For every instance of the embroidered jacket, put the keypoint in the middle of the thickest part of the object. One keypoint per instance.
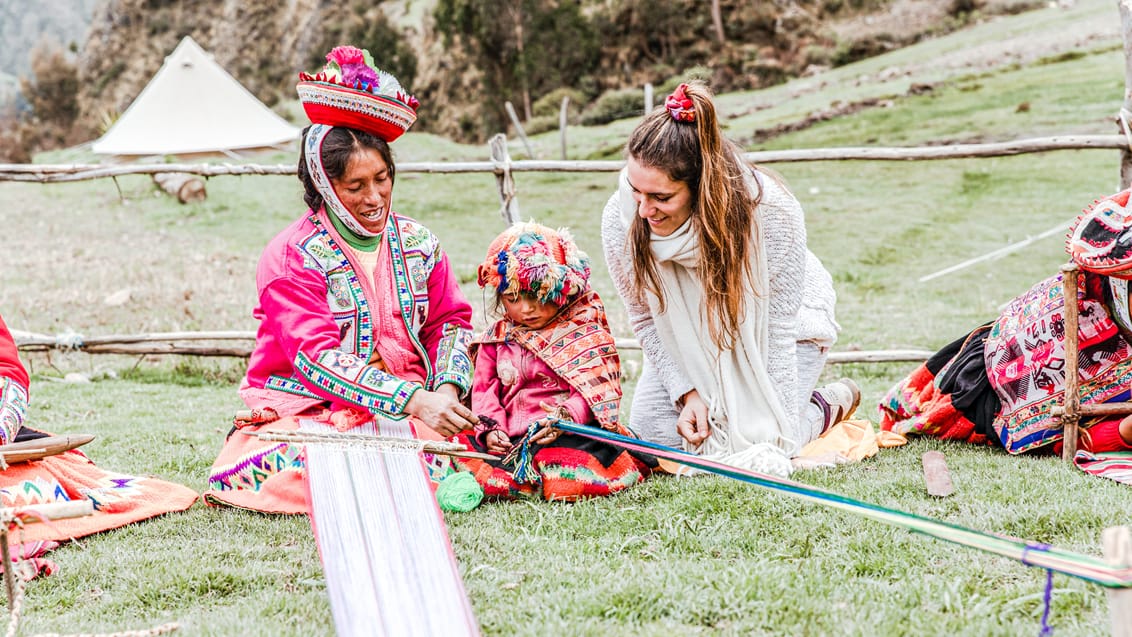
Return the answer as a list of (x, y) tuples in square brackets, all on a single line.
[(13, 387), (316, 325)]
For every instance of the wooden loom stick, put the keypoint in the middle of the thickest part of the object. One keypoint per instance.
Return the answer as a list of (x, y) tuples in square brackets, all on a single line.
[(414, 445), (390, 568), (38, 448), (1071, 402)]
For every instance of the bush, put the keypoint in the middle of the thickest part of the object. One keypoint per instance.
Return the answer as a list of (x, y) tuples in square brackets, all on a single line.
[(702, 73), (16, 141), (614, 105), (548, 105), (540, 124), (866, 47)]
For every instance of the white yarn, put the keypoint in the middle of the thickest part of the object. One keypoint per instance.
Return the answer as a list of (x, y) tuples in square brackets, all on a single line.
[(388, 561)]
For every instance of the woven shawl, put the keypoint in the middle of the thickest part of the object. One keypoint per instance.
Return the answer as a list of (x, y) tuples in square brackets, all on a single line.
[(580, 349), (1025, 360)]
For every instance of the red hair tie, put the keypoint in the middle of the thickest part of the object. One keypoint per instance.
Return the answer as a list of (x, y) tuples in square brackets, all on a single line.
[(680, 106)]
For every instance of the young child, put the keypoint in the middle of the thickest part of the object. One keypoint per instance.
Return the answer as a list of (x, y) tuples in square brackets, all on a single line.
[(551, 356)]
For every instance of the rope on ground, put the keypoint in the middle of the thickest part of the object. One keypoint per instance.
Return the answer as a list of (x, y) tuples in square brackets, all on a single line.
[(25, 571)]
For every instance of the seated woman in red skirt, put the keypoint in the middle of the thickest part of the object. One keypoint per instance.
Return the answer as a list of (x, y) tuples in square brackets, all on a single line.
[(359, 308), (999, 383), (118, 499)]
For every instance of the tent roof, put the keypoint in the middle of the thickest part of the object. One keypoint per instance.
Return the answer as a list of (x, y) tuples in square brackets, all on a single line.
[(193, 106)]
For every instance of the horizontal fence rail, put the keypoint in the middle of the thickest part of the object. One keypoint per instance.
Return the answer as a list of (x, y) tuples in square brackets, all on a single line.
[(53, 173), (174, 343)]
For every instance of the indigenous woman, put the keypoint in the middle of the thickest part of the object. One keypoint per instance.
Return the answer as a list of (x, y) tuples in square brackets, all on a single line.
[(118, 499), (360, 313), (734, 313), (998, 384)]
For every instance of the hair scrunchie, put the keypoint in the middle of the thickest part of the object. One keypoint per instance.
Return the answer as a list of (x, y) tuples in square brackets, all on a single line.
[(680, 106)]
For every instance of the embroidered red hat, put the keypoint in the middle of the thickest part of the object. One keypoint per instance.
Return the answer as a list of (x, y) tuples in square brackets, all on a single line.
[(351, 91), (1101, 238)]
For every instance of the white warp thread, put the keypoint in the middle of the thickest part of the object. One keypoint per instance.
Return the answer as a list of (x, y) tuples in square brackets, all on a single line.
[(389, 565)]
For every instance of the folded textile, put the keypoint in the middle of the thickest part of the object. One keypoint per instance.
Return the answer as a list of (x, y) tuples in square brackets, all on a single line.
[(848, 441)]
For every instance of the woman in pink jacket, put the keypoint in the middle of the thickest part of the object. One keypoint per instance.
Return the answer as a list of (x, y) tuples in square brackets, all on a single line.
[(360, 313)]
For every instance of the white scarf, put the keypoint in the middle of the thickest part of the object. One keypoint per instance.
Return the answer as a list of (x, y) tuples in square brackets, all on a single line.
[(743, 407), (330, 200)]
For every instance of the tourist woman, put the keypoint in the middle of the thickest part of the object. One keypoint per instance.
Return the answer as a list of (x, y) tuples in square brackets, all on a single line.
[(734, 313)]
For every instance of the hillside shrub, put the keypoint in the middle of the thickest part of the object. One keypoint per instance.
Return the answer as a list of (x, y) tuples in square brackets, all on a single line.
[(849, 52), (614, 105), (701, 73), (541, 124), (550, 104), (16, 141)]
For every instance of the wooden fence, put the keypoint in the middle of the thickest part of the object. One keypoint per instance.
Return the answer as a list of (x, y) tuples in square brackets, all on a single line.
[(504, 168)]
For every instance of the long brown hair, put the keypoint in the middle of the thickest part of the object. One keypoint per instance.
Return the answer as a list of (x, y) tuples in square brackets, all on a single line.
[(723, 210)]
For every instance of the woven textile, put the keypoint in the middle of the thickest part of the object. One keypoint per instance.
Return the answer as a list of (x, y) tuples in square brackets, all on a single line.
[(1112, 465), (270, 476), (119, 499), (948, 396), (570, 468), (1025, 360), (390, 568)]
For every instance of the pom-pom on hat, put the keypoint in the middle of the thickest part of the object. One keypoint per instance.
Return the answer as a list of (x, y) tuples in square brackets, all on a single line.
[(1101, 239), (534, 259), (351, 91)]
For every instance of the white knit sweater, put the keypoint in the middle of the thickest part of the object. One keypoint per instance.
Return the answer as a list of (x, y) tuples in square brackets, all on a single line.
[(800, 306)]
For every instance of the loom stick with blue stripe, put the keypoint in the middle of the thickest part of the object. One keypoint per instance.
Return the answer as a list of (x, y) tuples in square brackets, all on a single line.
[(1077, 565)]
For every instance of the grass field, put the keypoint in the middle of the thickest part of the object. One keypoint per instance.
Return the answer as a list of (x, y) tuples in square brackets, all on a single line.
[(704, 556)]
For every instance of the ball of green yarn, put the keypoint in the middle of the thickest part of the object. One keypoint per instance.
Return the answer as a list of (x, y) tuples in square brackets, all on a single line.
[(459, 492)]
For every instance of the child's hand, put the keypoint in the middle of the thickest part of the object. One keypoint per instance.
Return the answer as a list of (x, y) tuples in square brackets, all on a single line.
[(497, 442)]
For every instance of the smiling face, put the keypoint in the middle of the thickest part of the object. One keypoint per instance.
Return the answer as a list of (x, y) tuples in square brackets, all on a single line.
[(526, 310), (366, 188), (663, 203)]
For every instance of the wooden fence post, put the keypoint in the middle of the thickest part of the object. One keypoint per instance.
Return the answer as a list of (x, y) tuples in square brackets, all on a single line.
[(519, 127), (509, 209), (562, 121), (1126, 108), (648, 98), (1071, 403), (1117, 542)]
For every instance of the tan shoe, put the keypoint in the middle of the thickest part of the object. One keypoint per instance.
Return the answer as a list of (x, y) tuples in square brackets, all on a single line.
[(838, 400)]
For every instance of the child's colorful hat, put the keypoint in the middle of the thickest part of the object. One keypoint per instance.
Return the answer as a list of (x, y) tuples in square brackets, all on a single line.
[(351, 91), (1101, 238), (534, 259)]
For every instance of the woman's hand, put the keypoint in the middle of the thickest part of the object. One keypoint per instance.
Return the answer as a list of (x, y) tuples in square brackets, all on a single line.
[(692, 425), (497, 442), (441, 410)]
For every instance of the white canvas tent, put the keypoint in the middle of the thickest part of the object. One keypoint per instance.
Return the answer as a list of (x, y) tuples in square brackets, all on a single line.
[(193, 106)]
